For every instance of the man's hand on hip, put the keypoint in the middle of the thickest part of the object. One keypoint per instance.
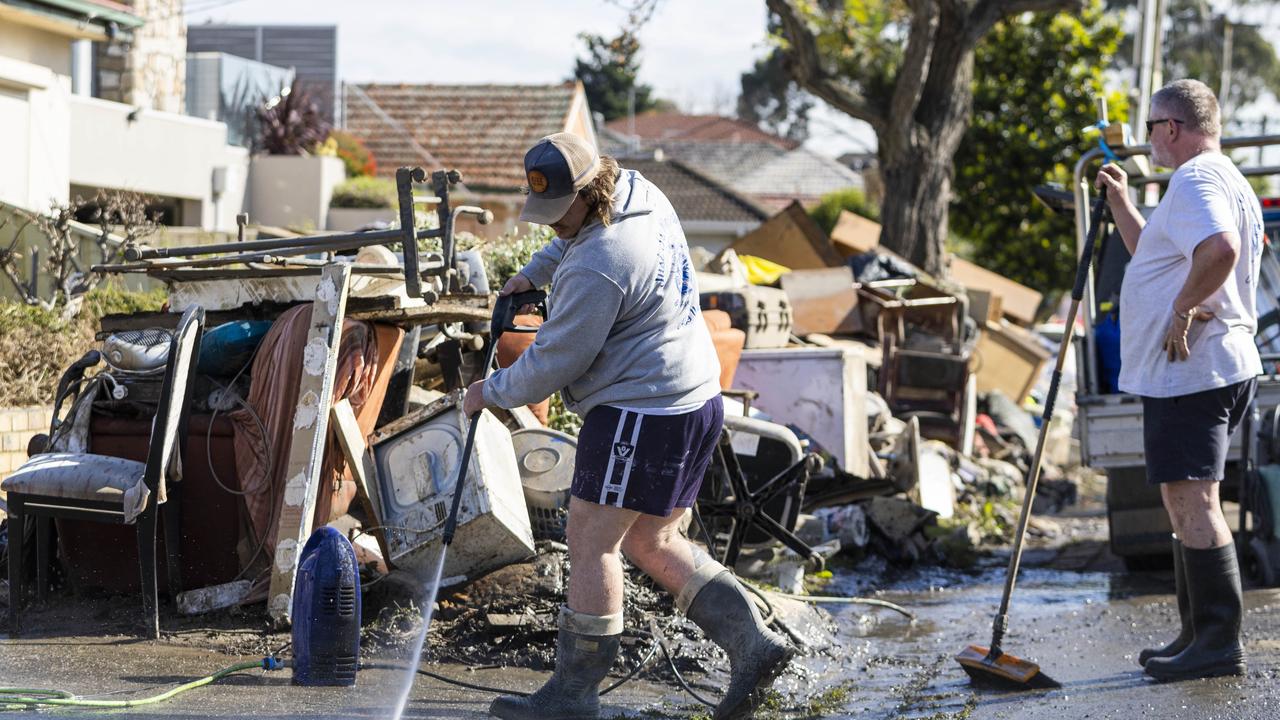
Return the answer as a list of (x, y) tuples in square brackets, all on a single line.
[(1175, 340)]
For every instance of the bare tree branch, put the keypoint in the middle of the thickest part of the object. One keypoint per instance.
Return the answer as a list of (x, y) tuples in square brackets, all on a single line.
[(989, 12), (806, 66)]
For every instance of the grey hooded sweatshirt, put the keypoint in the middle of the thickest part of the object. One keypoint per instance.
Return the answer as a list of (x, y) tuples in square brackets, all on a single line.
[(623, 327)]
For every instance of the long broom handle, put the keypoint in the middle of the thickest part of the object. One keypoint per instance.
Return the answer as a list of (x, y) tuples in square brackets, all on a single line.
[(1001, 623)]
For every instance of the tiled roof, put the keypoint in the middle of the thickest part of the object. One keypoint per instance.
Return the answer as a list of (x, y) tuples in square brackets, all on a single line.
[(701, 128), (695, 196), (799, 173), (763, 171), (482, 131)]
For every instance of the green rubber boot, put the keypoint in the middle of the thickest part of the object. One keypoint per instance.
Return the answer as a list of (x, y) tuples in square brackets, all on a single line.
[(1184, 612), (585, 651), (1217, 605)]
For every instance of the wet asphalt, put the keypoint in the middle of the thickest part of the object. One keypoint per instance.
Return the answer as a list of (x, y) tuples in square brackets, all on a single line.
[(1084, 627)]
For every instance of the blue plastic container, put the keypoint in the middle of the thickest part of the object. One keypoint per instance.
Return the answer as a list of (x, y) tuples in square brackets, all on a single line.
[(224, 350), (1106, 334), (326, 612)]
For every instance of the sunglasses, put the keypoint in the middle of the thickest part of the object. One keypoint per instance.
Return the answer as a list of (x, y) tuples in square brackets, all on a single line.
[(1151, 124)]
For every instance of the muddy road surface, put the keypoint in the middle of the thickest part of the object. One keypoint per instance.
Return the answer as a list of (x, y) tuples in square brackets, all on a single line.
[(1076, 613)]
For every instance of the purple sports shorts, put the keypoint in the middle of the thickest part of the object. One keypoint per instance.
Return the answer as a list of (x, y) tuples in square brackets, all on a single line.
[(647, 463)]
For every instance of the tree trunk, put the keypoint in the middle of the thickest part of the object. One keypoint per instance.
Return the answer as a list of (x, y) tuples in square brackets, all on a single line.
[(917, 165)]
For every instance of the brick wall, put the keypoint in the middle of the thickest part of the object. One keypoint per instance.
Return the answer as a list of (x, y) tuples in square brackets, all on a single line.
[(17, 425)]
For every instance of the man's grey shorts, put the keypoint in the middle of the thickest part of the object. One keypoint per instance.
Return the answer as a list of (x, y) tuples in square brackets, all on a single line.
[(1185, 437)]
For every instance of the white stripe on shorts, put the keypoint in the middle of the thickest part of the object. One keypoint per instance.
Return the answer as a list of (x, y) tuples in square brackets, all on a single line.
[(607, 482), (626, 468)]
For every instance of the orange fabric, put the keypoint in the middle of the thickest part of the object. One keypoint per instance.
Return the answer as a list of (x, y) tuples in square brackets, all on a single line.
[(366, 359), (728, 342)]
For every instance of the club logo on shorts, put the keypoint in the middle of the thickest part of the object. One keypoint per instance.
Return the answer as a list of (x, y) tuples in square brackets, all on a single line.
[(623, 451), (537, 181)]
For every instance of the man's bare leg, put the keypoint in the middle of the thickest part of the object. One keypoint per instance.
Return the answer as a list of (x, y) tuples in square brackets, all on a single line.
[(1196, 513), (595, 535)]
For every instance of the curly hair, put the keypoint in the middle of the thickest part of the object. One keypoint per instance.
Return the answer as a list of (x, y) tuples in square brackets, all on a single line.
[(599, 194)]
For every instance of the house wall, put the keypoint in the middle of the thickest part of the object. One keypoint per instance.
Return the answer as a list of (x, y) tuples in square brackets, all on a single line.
[(33, 127), (149, 69), (35, 46), (108, 150), (293, 191)]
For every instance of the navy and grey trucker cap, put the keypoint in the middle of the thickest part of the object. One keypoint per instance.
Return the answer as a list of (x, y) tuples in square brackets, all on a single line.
[(556, 168)]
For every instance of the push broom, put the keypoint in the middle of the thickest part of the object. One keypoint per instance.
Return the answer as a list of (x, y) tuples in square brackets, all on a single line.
[(992, 665)]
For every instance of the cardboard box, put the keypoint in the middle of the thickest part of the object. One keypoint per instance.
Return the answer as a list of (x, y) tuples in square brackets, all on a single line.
[(1008, 359), (1018, 301), (823, 301)]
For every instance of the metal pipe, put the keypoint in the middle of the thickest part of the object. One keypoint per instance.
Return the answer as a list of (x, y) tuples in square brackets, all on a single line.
[(308, 243)]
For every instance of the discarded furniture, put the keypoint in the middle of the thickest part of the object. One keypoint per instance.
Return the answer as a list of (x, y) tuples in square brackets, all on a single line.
[(820, 389), (734, 511), (1008, 359), (790, 238), (96, 555), (105, 489), (823, 301), (763, 313), (924, 370)]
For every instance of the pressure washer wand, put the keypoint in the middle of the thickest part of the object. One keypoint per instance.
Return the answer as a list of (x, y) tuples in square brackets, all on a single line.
[(503, 320)]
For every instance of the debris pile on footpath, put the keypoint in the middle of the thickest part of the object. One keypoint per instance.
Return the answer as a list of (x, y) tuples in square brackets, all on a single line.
[(872, 411)]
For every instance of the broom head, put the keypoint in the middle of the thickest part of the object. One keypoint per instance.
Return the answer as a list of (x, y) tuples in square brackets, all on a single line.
[(1003, 670)]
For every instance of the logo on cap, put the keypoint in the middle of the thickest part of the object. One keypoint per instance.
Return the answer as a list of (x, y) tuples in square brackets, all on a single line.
[(537, 181)]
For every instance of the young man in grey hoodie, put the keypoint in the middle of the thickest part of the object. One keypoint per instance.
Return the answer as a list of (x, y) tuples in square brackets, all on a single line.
[(626, 346)]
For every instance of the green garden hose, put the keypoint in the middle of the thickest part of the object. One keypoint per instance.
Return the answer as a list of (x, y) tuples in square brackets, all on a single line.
[(23, 698)]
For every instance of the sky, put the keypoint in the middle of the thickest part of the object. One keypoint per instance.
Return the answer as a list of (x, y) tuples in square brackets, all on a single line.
[(692, 51)]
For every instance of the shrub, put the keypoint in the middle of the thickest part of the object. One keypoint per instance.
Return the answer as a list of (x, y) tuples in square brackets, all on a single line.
[(37, 344), (827, 211), (355, 156), (364, 192), (291, 124), (504, 257)]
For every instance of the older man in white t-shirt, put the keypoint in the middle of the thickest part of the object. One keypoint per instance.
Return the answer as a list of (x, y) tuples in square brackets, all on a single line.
[(1187, 321)]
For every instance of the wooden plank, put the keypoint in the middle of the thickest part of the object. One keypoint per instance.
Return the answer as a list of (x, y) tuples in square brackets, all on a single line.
[(1008, 359), (362, 467), (118, 322), (310, 431), (854, 234), (1018, 301)]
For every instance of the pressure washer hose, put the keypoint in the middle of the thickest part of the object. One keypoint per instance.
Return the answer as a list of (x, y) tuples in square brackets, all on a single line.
[(24, 698)]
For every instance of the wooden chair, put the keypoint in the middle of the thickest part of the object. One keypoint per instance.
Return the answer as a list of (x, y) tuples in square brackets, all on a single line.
[(110, 489)]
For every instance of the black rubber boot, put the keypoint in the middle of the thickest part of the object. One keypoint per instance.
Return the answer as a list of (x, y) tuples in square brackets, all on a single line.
[(1217, 604), (757, 655), (1184, 612), (573, 692)]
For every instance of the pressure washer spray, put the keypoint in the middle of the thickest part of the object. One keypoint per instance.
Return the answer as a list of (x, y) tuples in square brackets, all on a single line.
[(503, 321)]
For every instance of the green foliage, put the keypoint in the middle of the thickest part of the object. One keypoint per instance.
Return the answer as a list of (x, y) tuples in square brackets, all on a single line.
[(608, 74), (505, 256), (1036, 82), (364, 192), (827, 212), (37, 343), (562, 419), (355, 156)]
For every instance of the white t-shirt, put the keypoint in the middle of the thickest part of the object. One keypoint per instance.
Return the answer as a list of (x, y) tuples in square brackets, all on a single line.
[(1207, 195)]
